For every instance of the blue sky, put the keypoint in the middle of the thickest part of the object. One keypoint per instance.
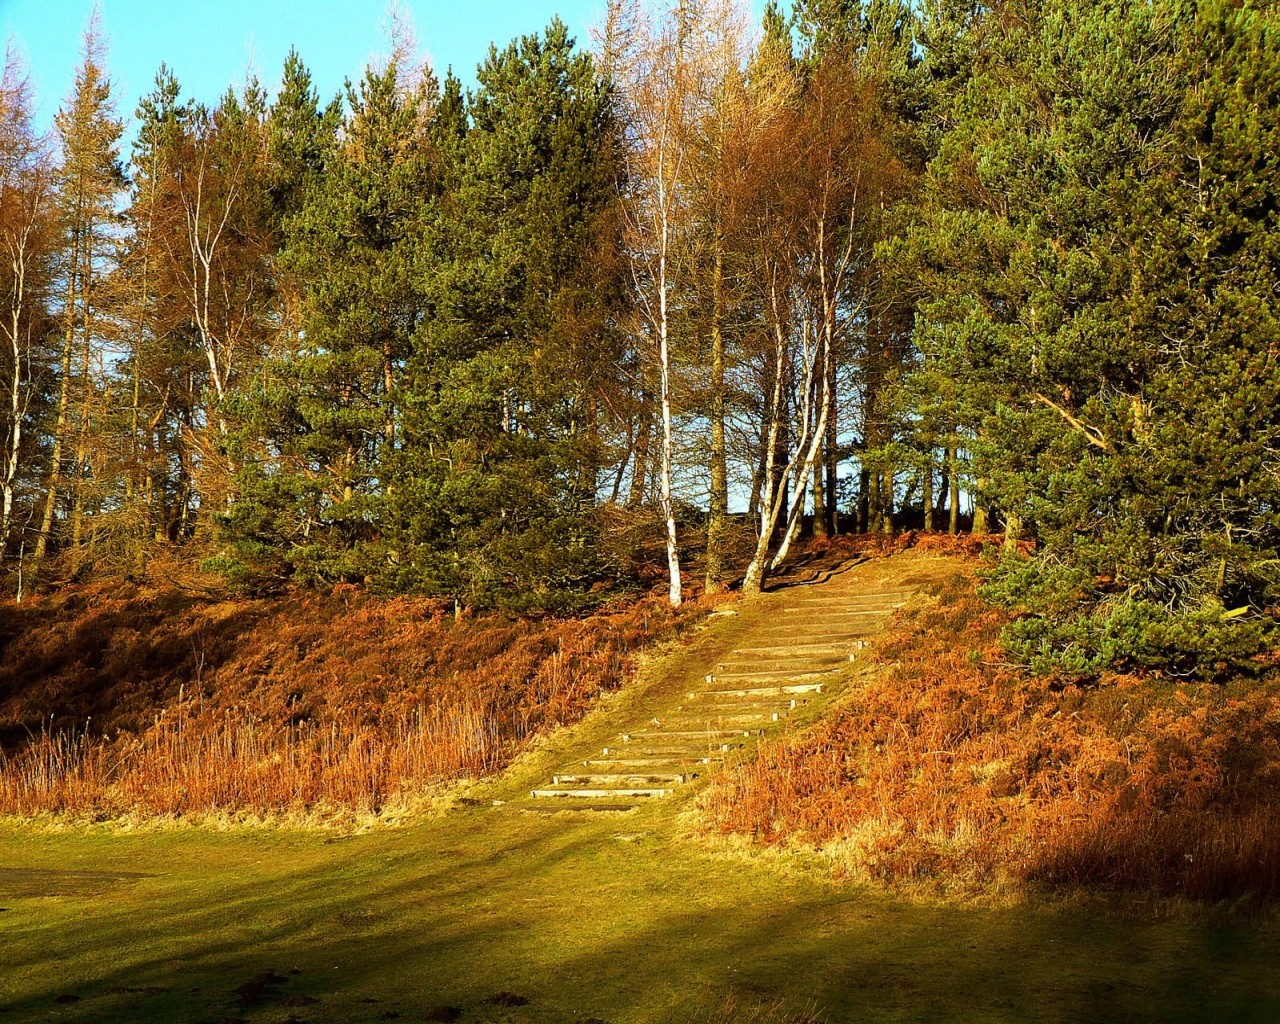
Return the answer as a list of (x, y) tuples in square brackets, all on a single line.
[(212, 45)]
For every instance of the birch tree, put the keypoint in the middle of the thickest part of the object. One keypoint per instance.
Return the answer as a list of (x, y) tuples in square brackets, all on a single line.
[(221, 253), (25, 234), (648, 56), (820, 200)]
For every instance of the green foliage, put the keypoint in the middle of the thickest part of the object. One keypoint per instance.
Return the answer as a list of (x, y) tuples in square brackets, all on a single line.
[(431, 426), (1099, 232), (495, 487)]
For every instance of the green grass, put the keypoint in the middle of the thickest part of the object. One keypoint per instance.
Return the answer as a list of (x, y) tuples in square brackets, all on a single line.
[(614, 917), (620, 918)]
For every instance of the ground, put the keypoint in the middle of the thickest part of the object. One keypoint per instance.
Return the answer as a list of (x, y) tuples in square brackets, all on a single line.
[(492, 911)]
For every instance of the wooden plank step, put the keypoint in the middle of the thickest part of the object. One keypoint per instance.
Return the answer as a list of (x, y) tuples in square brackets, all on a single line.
[(600, 794), (851, 597), (627, 779), (819, 616), (689, 752), (783, 633), (651, 762), (695, 718), (761, 691), (781, 663), (764, 705), (712, 735), (791, 650), (759, 722), (811, 675)]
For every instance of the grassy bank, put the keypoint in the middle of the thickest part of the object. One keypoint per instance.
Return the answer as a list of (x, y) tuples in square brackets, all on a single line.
[(119, 703)]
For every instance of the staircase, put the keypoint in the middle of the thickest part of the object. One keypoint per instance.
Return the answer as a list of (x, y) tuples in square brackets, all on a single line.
[(781, 672)]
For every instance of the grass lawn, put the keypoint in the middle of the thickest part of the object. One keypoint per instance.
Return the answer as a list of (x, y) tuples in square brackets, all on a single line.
[(615, 917)]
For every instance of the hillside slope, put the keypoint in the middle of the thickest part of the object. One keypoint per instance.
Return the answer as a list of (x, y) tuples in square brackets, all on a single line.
[(951, 767), (114, 701), (493, 913)]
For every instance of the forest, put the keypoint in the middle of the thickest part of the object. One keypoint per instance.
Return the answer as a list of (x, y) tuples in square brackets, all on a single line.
[(661, 301)]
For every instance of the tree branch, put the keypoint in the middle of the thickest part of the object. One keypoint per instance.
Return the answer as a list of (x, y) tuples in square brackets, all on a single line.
[(1091, 434)]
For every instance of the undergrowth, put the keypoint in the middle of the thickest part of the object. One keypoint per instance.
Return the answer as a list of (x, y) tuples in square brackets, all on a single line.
[(948, 766), (319, 704)]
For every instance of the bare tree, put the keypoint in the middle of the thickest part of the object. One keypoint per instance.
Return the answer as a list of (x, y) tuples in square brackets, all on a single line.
[(648, 58), (819, 201), (88, 178), (220, 254), (25, 234)]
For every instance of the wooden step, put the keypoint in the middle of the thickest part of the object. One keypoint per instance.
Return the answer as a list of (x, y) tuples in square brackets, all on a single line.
[(819, 618), (764, 706), (600, 794), (812, 675), (711, 735), (652, 762), (782, 634), (762, 691), (633, 779), (695, 752), (896, 598), (781, 663), (690, 751), (758, 722), (791, 650), (695, 717)]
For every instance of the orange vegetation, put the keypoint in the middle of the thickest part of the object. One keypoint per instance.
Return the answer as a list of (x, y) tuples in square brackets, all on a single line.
[(116, 702), (946, 764)]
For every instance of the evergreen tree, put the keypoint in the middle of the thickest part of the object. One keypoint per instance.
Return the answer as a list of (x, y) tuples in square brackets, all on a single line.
[(1103, 218), (159, 361), (328, 403), (496, 485)]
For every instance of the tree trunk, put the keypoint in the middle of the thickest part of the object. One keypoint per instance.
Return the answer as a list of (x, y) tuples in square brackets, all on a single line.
[(1012, 531), (864, 500), (926, 499), (86, 406), (831, 453), (718, 510), (640, 463), (17, 402), (886, 502), (668, 443), (774, 472), (820, 496), (64, 404), (953, 462)]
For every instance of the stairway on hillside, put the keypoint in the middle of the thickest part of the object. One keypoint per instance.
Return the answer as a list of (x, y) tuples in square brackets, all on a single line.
[(781, 671)]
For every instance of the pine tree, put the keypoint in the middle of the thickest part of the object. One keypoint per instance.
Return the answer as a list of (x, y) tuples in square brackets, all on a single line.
[(157, 365), (328, 403), (496, 485), (1104, 222)]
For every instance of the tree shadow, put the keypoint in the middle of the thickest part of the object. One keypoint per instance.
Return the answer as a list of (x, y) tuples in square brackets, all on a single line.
[(584, 924)]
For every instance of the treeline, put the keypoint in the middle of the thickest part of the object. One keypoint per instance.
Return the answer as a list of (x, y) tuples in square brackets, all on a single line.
[(866, 266)]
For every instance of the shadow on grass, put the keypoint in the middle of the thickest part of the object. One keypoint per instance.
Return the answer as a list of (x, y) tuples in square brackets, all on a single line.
[(507, 917)]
